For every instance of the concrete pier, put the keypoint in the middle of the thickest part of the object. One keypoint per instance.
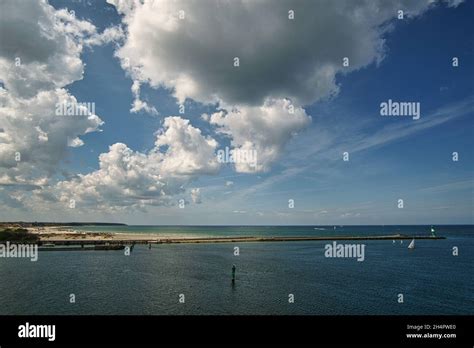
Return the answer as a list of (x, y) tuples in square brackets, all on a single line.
[(158, 240)]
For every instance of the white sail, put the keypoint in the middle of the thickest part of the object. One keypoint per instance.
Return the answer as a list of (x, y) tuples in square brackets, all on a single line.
[(412, 244)]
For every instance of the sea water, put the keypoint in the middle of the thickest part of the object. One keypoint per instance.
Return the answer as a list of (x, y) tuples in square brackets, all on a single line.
[(149, 281)]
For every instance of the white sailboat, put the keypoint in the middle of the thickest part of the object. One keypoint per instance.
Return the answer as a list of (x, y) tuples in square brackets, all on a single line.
[(412, 244)]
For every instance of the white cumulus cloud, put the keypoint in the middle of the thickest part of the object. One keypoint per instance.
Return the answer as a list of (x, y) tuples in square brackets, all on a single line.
[(40, 55), (190, 47), (128, 178), (264, 129)]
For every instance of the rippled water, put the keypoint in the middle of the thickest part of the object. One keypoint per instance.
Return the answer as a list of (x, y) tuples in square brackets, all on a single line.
[(432, 280)]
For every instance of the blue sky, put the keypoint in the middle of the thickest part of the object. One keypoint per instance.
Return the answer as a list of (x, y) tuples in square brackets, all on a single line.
[(391, 158)]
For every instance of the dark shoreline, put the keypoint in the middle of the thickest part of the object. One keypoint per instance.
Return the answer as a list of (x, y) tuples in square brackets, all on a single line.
[(56, 224)]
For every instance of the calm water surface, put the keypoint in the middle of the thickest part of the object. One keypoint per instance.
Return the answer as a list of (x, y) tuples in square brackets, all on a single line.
[(432, 280)]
